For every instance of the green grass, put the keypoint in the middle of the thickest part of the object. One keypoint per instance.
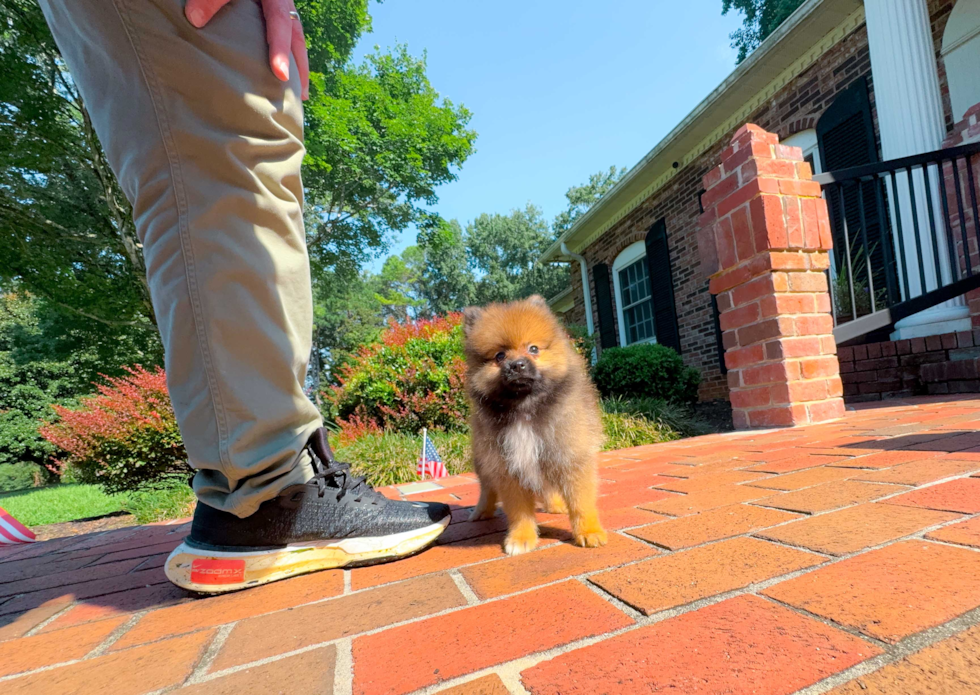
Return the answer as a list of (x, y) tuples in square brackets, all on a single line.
[(58, 503)]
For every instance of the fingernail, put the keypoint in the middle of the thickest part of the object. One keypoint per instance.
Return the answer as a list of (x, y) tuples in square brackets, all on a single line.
[(197, 17), (282, 65)]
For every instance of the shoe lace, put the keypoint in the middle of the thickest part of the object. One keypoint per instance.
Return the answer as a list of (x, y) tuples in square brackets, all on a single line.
[(336, 476)]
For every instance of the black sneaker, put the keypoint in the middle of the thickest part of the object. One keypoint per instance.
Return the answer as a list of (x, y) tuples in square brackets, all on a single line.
[(334, 520)]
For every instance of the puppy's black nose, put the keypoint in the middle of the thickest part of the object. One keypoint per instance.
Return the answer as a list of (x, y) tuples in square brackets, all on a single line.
[(518, 366)]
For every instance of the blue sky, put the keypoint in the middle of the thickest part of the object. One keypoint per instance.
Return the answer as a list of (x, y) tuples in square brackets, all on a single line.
[(558, 90)]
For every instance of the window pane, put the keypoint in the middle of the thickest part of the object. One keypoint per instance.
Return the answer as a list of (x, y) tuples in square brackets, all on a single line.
[(634, 283), (639, 322)]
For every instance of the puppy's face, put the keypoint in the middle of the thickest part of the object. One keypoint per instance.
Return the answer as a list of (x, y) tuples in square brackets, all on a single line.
[(514, 351)]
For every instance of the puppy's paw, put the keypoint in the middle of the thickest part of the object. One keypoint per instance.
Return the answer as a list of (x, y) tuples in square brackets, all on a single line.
[(518, 542), (591, 537), (480, 514)]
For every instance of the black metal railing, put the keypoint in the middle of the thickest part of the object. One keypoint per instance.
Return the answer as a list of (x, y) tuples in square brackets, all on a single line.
[(906, 236)]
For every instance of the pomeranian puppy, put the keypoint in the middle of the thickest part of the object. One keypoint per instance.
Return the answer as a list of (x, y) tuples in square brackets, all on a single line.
[(535, 421)]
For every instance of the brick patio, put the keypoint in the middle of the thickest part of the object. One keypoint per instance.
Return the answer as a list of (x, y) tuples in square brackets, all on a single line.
[(841, 557)]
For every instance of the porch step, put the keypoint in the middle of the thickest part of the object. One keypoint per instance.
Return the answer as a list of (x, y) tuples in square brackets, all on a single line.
[(953, 376)]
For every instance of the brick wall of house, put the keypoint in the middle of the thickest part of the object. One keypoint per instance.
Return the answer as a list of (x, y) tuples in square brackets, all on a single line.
[(796, 107)]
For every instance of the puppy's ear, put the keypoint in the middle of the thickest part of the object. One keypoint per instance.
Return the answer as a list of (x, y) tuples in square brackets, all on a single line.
[(538, 300), (471, 315)]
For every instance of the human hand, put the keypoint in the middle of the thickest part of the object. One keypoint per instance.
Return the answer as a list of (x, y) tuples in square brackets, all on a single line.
[(283, 31)]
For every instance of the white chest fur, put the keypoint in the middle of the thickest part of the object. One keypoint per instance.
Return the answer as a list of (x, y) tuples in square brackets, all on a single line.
[(522, 450)]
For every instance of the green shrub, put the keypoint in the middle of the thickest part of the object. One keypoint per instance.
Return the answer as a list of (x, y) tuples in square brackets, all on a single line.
[(411, 378), (646, 371), (123, 438), (20, 476), (675, 416)]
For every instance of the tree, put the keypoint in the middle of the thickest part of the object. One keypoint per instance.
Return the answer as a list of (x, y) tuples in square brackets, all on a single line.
[(66, 230), (762, 17), (504, 251), (447, 282), (380, 141), (581, 198)]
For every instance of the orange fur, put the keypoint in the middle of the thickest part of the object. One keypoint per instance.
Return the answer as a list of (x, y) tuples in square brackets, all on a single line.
[(536, 441)]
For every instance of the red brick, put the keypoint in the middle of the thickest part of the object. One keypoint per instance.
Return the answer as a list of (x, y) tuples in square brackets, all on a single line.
[(750, 291), (794, 219), (816, 367), (892, 592), (744, 357), (29, 653), (848, 530), (744, 246), (703, 500), (689, 575), (920, 472), (742, 645), (768, 223), (712, 525), (780, 416), (793, 347), (964, 533), (742, 316), (772, 373), (141, 670), (488, 685), (885, 459), (65, 579), (285, 631), (310, 673), (24, 623), (227, 608), (396, 661), (821, 498), (961, 495), (699, 482), (513, 574), (797, 462), (804, 478), (949, 667)]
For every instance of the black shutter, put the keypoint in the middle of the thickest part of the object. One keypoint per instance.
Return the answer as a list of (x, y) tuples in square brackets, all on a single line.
[(662, 287), (603, 299), (846, 136)]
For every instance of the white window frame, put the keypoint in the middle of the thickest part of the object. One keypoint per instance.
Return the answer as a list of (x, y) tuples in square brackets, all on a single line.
[(627, 257)]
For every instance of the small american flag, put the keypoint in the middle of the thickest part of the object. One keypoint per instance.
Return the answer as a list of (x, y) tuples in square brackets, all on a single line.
[(429, 461), (12, 531)]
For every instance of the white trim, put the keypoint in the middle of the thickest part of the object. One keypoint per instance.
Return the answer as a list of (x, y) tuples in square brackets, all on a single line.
[(627, 257)]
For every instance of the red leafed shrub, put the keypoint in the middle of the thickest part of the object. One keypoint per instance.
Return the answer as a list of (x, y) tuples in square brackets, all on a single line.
[(411, 378), (124, 437)]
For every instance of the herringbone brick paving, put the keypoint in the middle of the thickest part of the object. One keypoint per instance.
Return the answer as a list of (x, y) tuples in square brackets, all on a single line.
[(842, 557)]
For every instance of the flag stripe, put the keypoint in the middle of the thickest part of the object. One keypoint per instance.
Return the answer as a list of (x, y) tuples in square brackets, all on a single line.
[(12, 531)]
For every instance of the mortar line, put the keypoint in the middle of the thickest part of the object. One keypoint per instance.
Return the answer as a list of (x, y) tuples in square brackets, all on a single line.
[(47, 621), (115, 635), (910, 645), (214, 646), (464, 588), (343, 668)]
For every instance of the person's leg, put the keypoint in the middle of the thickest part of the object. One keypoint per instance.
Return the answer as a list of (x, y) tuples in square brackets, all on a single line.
[(207, 145)]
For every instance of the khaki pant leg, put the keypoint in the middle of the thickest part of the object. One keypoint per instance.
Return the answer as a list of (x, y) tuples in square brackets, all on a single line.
[(207, 145)]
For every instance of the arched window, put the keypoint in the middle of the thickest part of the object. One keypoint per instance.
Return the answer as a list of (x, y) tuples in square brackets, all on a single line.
[(961, 53), (634, 305)]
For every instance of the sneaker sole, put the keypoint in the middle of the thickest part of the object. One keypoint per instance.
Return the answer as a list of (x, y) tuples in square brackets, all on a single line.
[(216, 571)]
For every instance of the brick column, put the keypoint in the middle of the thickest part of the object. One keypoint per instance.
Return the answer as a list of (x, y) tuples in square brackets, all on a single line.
[(763, 241)]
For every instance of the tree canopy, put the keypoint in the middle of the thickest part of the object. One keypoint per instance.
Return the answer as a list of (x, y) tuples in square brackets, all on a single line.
[(761, 18)]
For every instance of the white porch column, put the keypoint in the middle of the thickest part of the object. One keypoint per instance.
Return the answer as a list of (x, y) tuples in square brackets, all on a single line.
[(910, 120)]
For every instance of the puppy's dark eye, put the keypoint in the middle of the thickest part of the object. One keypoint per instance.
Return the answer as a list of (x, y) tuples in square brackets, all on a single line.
[(533, 349), (499, 356)]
